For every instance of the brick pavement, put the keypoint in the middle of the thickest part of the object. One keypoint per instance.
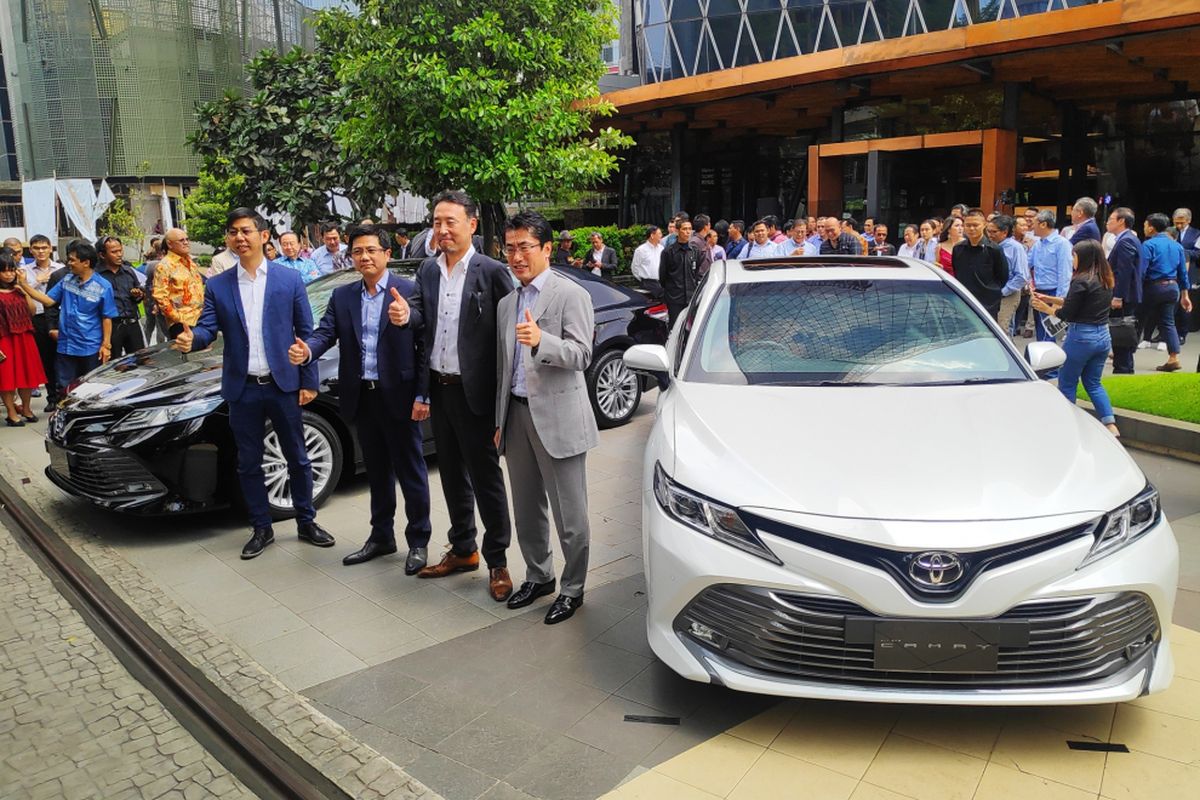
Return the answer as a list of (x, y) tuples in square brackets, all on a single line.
[(73, 722)]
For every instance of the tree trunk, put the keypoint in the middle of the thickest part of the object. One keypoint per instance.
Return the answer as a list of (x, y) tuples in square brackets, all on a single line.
[(492, 221)]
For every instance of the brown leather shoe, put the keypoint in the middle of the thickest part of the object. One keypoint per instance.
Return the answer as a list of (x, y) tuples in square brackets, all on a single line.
[(499, 584), (451, 563)]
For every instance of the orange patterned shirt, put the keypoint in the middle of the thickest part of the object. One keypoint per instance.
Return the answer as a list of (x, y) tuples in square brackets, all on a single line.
[(178, 289)]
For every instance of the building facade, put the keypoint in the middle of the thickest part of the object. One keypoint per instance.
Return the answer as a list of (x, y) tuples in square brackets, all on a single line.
[(899, 108)]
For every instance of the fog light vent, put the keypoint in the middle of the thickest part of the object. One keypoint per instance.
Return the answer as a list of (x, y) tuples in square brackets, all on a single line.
[(707, 634)]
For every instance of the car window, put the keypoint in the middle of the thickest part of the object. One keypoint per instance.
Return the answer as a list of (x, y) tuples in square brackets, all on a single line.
[(603, 293), (849, 332), (320, 290)]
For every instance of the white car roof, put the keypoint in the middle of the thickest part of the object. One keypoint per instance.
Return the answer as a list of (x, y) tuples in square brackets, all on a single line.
[(824, 268)]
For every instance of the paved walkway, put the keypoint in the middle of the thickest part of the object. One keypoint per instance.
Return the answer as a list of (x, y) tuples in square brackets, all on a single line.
[(73, 722)]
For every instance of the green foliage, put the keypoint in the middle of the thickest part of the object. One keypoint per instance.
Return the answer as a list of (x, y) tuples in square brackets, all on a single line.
[(623, 240), (120, 220), (496, 97), (282, 139), (1173, 395), (207, 204)]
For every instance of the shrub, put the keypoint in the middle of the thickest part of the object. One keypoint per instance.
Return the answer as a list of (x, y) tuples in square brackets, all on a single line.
[(623, 240)]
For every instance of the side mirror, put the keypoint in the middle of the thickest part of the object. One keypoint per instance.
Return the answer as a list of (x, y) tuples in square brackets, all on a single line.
[(1044, 356), (647, 358)]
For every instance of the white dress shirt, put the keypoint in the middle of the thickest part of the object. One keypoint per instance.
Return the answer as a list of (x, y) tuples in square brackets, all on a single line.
[(646, 259), (253, 291), (527, 298), (444, 357), (39, 279), (907, 250)]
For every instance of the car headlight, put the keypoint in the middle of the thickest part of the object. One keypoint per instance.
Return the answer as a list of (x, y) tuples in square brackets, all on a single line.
[(1125, 524), (157, 416), (708, 517)]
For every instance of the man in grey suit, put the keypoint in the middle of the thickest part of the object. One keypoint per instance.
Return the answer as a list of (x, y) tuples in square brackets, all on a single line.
[(601, 257), (544, 421)]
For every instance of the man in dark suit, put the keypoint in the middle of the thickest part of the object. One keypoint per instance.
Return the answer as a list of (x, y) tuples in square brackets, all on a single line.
[(1128, 262), (601, 257), (261, 311), (382, 373), (402, 247), (455, 301), (1083, 217)]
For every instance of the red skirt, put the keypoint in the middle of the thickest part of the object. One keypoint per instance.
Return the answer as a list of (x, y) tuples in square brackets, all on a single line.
[(23, 367)]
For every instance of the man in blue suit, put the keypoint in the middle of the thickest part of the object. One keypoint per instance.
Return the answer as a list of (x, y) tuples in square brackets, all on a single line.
[(384, 387), (1128, 262), (261, 311), (1083, 217)]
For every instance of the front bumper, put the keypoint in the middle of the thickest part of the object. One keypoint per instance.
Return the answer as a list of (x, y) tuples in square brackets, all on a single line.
[(685, 569)]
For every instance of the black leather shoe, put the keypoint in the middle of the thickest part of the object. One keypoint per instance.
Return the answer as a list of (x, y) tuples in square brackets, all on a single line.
[(367, 552), (529, 592), (417, 558), (258, 542), (563, 608), (313, 533)]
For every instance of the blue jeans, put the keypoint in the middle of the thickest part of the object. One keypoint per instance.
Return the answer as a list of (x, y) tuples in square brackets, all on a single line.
[(1087, 349), (1158, 307), (248, 417)]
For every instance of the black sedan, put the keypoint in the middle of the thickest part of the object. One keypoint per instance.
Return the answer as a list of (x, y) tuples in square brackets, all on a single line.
[(149, 433)]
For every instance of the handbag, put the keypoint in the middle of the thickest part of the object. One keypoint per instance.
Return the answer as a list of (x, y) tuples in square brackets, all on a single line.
[(1123, 331)]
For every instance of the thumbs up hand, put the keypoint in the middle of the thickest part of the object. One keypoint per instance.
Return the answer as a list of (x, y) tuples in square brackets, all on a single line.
[(398, 309), (183, 339), (528, 332), (298, 352)]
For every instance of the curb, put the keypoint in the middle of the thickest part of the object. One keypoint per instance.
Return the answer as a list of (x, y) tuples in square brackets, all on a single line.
[(1167, 437)]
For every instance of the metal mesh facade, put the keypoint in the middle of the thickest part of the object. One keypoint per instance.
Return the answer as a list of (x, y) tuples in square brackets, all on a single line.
[(109, 87), (679, 38)]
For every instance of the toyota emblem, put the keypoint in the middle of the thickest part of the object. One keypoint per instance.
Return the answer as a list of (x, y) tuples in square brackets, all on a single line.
[(936, 569)]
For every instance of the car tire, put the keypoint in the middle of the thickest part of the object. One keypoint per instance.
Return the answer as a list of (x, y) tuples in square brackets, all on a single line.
[(324, 450), (614, 389)]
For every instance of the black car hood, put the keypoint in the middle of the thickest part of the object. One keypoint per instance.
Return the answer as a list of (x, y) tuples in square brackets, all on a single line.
[(150, 377)]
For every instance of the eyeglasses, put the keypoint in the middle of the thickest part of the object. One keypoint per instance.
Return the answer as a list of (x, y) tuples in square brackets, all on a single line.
[(366, 251), (247, 232), (524, 247)]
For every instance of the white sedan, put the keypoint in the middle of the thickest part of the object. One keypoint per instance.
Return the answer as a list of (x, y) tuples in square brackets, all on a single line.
[(856, 488)]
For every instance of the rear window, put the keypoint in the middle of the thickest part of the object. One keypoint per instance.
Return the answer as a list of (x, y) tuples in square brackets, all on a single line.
[(848, 332)]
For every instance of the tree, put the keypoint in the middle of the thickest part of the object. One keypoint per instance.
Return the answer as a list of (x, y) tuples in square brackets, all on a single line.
[(496, 97), (120, 220), (207, 204), (281, 140)]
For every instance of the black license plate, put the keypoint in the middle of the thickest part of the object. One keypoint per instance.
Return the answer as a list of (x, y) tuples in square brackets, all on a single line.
[(937, 645)]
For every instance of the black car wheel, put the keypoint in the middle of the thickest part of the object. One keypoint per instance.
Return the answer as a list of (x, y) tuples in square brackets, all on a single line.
[(324, 451), (614, 389)]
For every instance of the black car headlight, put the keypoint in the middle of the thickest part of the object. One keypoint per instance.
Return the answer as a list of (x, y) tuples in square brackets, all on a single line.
[(157, 416), (1125, 524), (708, 517)]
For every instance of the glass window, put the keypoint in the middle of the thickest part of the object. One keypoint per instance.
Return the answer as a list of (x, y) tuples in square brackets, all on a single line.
[(319, 291), (847, 332)]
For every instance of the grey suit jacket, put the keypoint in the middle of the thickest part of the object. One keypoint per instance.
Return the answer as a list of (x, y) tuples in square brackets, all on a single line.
[(558, 398)]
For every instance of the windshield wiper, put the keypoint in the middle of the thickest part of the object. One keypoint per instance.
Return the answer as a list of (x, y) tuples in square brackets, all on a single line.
[(967, 381)]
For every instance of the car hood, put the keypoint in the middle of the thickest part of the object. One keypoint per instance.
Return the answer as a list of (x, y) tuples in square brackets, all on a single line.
[(949, 453), (150, 376)]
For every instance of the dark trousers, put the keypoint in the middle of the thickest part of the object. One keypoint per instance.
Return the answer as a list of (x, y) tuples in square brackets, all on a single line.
[(391, 450), (1158, 310), (126, 337), (1123, 356), (248, 417), (470, 470), (674, 312), (67, 369), (47, 350)]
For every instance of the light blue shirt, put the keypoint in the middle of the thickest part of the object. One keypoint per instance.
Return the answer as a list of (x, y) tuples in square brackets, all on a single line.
[(768, 250), (1050, 264), (1018, 266), (372, 307), (305, 266), (526, 299), (326, 261)]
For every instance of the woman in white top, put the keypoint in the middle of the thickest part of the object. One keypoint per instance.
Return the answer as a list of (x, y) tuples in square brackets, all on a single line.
[(927, 247)]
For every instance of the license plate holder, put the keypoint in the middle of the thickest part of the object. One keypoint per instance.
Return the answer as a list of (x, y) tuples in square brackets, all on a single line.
[(60, 460), (937, 645)]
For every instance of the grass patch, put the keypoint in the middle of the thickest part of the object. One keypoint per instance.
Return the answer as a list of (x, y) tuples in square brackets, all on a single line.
[(1175, 395)]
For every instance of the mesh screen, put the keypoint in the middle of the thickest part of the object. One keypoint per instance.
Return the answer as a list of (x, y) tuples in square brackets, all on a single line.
[(109, 87)]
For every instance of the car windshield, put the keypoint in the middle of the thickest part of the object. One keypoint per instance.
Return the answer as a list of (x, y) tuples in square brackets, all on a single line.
[(320, 290), (848, 332)]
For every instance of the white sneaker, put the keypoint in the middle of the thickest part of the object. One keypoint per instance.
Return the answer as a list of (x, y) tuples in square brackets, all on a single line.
[(1162, 346), (1144, 345)]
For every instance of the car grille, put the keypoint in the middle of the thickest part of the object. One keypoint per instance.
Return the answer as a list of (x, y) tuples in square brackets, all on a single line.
[(802, 637), (67, 428), (105, 474)]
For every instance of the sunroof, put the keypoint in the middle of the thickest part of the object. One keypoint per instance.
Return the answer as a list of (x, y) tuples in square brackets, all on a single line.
[(817, 262)]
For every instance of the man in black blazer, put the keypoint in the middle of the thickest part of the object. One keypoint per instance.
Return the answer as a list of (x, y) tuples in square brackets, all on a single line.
[(455, 302), (1128, 262), (383, 384), (601, 257)]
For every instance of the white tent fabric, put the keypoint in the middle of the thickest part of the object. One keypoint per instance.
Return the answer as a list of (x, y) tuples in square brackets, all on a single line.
[(164, 210), (104, 199), (37, 199), (78, 198)]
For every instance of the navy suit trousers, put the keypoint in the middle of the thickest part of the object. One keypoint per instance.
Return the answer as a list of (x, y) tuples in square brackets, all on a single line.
[(248, 417), (392, 450)]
